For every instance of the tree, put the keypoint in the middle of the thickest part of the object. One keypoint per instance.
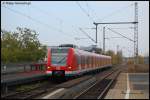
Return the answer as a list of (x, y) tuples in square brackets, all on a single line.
[(119, 57), (21, 45), (116, 58), (112, 54), (141, 59)]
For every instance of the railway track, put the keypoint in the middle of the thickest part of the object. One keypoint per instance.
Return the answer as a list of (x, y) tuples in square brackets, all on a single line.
[(100, 88), (26, 94), (44, 88), (91, 92)]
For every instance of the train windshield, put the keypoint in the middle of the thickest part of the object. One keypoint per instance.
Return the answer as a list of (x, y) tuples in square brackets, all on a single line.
[(59, 56)]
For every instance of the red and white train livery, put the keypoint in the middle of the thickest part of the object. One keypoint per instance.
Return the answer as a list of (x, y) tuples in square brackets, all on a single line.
[(66, 61)]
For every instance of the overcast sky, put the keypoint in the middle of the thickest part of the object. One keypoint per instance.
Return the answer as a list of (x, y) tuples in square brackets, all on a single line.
[(58, 22)]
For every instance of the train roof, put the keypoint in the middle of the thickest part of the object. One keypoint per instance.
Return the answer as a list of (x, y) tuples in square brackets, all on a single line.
[(82, 52)]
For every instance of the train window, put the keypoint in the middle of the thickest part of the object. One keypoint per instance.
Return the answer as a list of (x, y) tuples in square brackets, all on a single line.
[(91, 61), (59, 56), (84, 61), (94, 61), (78, 59), (81, 61), (88, 61), (98, 61), (102, 61)]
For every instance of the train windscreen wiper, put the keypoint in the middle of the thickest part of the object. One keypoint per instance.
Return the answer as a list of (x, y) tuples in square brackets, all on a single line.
[(61, 60)]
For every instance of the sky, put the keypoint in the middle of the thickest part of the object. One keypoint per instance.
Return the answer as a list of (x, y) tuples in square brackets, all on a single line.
[(59, 22)]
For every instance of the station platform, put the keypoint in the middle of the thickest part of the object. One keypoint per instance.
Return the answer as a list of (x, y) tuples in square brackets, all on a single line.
[(22, 77), (130, 86)]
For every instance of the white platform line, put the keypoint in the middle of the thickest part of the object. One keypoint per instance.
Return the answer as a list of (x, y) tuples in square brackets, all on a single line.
[(53, 93), (128, 88)]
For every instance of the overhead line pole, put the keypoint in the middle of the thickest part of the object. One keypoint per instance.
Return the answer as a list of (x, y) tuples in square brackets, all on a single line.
[(136, 34), (96, 34), (96, 24), (116, 23), (135, 22), (104, 39)]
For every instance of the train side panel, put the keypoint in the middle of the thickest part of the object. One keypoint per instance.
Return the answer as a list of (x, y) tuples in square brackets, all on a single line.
[(78, 62), (88, 62), (71, 63)]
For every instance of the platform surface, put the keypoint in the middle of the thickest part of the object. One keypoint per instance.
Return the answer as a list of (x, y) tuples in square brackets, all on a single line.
[(130, 86), (9, 78)]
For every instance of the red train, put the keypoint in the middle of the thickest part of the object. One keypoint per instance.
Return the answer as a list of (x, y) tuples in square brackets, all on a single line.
[(66, 61)]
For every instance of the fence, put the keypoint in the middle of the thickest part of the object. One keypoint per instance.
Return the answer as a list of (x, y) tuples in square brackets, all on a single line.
[(22, 67)]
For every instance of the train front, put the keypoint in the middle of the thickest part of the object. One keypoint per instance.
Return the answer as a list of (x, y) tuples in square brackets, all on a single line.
[(57, 62)]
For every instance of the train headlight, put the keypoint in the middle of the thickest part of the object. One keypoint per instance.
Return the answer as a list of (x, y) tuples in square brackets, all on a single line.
[(69, 67), (48, 67)]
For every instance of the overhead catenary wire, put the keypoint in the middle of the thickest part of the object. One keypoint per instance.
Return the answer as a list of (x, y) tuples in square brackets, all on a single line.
[(48, 14), (92, 11), (121, 34), (57, 17), (115, 12), (35, 20), (87, 35), (60, 19), (84, 11)]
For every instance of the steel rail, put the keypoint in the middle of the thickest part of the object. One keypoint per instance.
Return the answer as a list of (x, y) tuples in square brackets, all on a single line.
[(88, 89), (108, 86)]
